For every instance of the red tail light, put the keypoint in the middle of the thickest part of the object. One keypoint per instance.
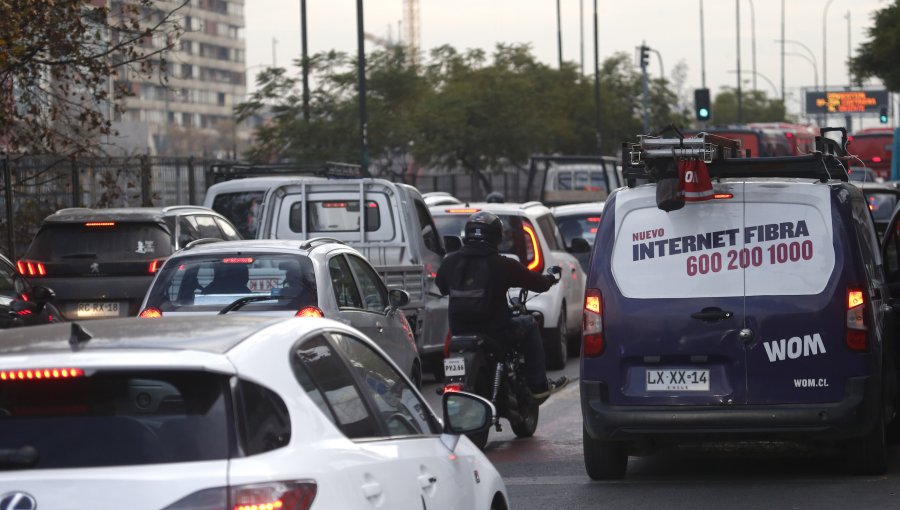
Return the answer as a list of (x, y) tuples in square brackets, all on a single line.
[(876, 159), (274, 496), (41, 373), (453, 387), (150, 313), (100, 224), (155, 265), (309, 311), (533, 256), (463, 211), (857, 336), (31, 268), (593, 342), (238, 260)]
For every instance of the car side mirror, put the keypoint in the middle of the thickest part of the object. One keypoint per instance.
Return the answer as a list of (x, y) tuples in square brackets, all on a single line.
[(579, 245), (398, 298), (452, 243), (465, 413), (41, 295)]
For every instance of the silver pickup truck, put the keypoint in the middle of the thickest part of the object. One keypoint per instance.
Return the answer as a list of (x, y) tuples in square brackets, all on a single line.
[(388, 223)]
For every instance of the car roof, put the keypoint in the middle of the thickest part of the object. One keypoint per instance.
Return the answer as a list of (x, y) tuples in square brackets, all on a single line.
[(577, 209), (124, 214), (256, 183), (215, 333), (273, 245), (876, 186)]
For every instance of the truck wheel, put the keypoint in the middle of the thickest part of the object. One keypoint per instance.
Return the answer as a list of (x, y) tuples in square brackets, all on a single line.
[(556, 344), (604, 460), (868, 455)]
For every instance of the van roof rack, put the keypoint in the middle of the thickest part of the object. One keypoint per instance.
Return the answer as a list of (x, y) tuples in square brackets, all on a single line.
[(654, 158), (329, 169)]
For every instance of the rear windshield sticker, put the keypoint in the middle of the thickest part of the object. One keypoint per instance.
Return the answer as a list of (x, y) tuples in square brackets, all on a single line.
[(724, 249), (145, 247)]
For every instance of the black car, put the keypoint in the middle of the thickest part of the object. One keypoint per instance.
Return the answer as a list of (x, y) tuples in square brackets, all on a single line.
[(881, 199), (22, 304), (100, 262)]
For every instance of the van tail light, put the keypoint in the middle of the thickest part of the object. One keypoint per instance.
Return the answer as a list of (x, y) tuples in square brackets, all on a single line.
[(593, 342), (857, 335), (309, 311), (150, 313), (533, 256), (31, 268), (295, 495)]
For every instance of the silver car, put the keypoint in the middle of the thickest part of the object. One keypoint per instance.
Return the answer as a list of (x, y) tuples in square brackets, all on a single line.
[(314, 278)]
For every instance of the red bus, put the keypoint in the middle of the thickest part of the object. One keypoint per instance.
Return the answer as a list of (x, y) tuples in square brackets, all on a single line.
[(788, 139), (874, 147)]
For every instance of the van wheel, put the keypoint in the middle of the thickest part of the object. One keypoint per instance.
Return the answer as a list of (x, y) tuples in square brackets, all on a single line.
[(556, 344), (868, 455), (604, 460)]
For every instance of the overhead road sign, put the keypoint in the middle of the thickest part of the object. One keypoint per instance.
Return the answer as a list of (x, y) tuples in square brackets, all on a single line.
[(846, 101)]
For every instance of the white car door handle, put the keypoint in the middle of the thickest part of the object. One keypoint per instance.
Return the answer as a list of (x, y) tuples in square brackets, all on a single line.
[(372, 490), (426, 480)]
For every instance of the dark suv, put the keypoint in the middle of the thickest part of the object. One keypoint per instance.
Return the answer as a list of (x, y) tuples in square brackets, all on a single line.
[(100, 262), (760, 313)]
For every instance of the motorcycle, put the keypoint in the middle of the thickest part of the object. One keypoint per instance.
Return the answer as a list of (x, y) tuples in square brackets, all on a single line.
[(495, 369)]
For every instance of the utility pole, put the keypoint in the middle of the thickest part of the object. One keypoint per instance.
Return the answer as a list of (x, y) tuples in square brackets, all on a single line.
[(825, 48), (597, 78), (644, 56), (753, 41), (363, 112), (783, 99), (559, 33), (304, 60), (274, 44), (703, 49), (740, 106), (581, 32), (848, 119)]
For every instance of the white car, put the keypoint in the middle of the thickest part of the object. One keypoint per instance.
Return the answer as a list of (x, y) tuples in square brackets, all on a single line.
[(530, 234), (233, 412), (579, 221), (319, 277), (433, 198)]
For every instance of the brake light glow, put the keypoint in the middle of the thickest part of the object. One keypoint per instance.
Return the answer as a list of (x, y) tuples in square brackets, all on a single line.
[(100, 224), (594, 219), (287, 495), (41, 373), (593, 342), (24, 313), (857, 338), (31, 268), (150, 313), (238, 260), (463, 211), (335, 205), (536, 262), (876, 159), (453, 388), (155, 265), (309, 311), (720, 196), (789, 135)]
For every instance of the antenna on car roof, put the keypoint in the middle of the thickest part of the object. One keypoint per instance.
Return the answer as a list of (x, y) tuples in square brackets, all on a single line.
[(79, 336)]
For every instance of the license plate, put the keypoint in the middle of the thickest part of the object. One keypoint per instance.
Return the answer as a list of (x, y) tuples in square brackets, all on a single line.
[(454, 367), (677, 379), (98, 309)]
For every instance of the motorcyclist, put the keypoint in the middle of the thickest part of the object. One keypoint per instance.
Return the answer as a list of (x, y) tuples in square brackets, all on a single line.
[(483, 233)]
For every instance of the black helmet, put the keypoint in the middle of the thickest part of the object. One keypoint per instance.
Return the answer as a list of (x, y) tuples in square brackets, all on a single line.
[(484, 227), (495, 197)]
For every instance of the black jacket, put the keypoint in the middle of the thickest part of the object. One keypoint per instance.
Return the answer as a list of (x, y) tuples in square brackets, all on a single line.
[(505, 273)]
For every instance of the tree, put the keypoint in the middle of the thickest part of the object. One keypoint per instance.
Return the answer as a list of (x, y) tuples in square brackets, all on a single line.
[(65, 67), (755, 107), (878, 57)]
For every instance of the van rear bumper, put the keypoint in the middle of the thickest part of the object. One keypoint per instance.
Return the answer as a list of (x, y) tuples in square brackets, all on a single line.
[(852, 416)]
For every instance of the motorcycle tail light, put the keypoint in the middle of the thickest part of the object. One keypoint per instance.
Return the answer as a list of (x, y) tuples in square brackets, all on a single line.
[(453, 387), (593, 342)]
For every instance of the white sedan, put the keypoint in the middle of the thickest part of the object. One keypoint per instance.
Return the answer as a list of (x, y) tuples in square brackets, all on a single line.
[(233, 412)]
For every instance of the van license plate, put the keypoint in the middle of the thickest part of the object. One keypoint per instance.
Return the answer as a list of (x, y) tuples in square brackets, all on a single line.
[(454, 367), (109, 309), (677, 380)]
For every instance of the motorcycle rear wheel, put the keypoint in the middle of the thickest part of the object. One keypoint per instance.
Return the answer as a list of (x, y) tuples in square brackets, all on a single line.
[(528, 426)]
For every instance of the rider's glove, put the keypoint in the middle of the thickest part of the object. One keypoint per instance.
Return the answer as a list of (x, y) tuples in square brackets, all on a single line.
[(551, 279)]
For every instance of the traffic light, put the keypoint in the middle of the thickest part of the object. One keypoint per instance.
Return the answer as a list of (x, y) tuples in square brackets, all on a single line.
[(883, 116), (701, 104), (645, 55)]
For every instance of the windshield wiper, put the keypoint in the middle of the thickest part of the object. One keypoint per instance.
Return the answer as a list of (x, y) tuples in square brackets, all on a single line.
[(79, 256), (239, 303), (26, 456)]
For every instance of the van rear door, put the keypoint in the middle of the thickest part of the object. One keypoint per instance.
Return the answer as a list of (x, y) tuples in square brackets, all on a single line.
[(797, 303), (673, 302)]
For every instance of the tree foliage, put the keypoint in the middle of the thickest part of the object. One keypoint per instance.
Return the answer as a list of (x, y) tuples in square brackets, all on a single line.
[(65, 66), (468, 109), (877, 57), (755, 107)]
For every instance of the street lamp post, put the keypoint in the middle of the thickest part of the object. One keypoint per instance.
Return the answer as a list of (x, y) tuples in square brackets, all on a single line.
[(753, 40), (811, 56), (740, 106), (597, 77), (559, 34), (363, 111), (825, 47), (761, 75), (304, 58)]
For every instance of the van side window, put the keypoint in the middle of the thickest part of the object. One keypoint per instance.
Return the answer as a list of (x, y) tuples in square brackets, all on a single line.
[(429, 232), (551, 232)]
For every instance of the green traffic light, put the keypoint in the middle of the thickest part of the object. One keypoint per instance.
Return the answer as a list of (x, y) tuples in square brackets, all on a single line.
[(703, 113)]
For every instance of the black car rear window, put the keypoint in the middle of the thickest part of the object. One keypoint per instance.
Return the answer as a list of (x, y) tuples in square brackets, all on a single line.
[(205, 283), (115, 418), (113, 241)]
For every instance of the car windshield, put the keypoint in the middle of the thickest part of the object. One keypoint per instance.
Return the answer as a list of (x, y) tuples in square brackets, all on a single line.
[(114, 418), (455, 225), (100, 241), (208, 283), (582, 225)]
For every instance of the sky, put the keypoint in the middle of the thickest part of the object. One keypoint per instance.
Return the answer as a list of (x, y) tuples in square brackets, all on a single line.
[(671, 27)]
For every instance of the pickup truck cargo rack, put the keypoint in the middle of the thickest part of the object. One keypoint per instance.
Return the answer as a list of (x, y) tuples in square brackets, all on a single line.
[(330, 169), (654, 158)]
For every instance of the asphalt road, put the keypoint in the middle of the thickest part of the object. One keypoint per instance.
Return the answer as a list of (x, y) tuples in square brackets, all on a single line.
[(546, 472)]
